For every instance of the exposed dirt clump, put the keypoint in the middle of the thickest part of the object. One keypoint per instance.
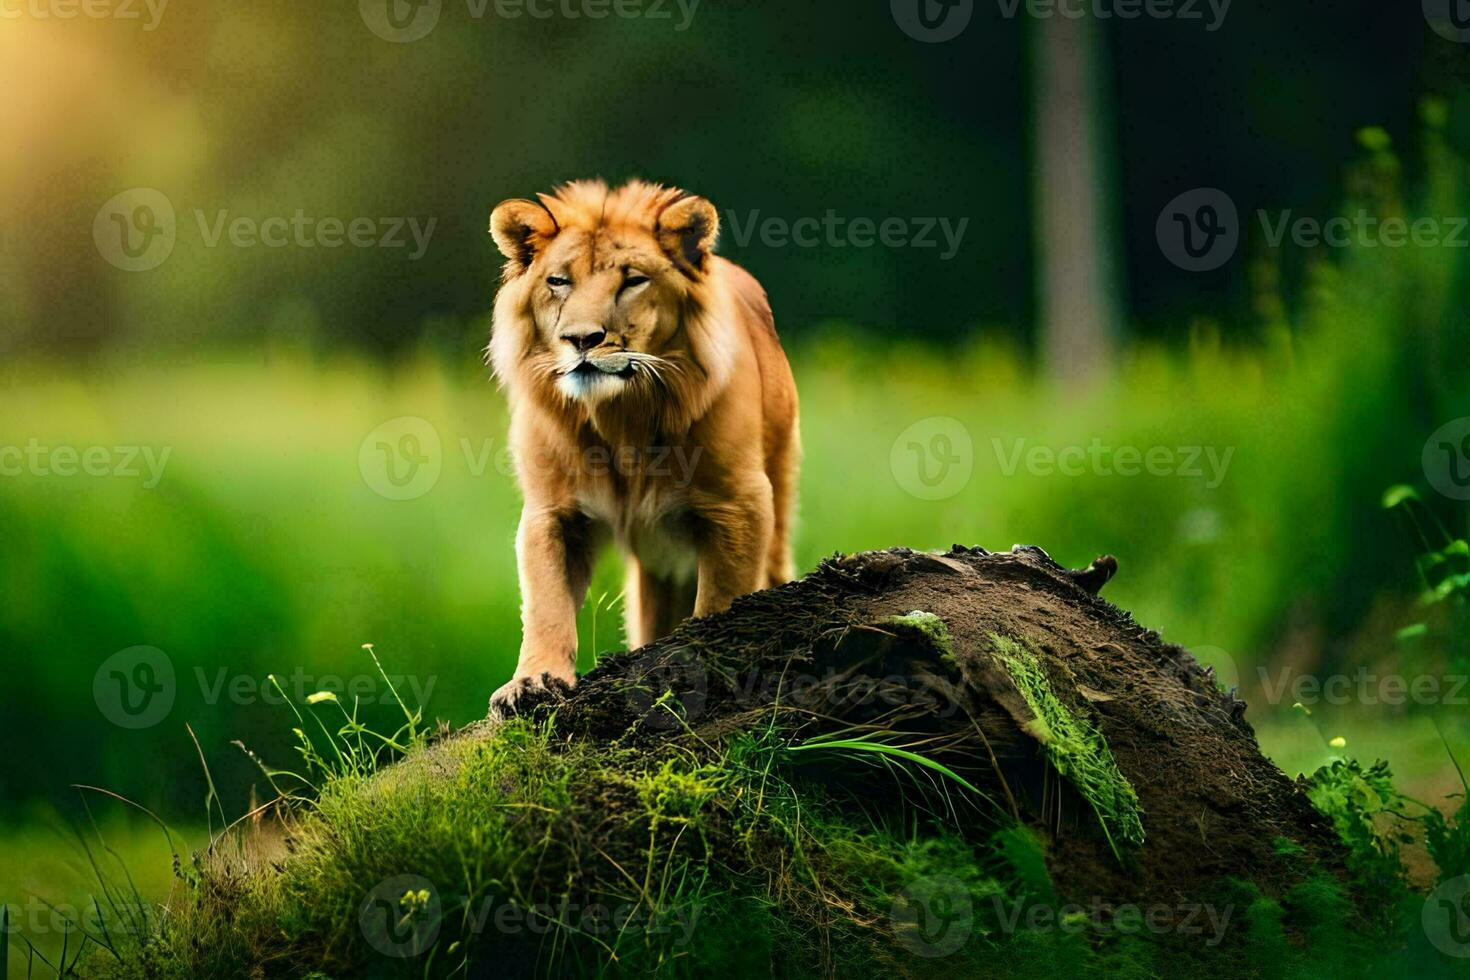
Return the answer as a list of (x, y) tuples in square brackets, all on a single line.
[(1143, 777)]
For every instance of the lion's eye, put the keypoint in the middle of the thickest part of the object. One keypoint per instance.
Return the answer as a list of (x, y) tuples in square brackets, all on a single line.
[(634, 280), (557, 281)]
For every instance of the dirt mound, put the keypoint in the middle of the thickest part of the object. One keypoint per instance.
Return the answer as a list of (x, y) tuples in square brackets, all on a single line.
[(1016, 681), (875, 771)]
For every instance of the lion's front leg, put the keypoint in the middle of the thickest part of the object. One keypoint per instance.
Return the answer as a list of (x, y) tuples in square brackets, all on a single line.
[(734, 541), (654, 606), (554, 552)]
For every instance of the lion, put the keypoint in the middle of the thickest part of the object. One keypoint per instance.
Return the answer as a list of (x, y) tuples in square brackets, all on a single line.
[(651, 404)]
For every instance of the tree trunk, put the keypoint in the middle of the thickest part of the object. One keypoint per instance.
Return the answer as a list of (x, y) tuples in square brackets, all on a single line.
[(1075, 246)]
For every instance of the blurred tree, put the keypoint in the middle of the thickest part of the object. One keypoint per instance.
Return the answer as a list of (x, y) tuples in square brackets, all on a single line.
[(773, 110), (1077, 285)]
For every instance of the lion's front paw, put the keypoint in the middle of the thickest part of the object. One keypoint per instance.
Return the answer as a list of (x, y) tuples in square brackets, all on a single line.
[(523, 693)]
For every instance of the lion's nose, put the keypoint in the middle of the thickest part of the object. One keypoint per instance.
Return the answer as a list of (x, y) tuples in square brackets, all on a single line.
[(584, 338)]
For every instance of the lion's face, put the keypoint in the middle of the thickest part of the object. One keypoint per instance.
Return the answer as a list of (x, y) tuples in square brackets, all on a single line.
[(604, 305), (597, 283)]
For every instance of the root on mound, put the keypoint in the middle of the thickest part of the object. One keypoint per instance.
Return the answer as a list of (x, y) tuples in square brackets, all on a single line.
[(890, 767)]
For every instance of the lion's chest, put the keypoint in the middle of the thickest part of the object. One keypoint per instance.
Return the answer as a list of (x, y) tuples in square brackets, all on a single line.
[(651, 521)]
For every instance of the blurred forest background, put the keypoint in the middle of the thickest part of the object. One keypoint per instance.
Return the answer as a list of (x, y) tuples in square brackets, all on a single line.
[(1317, 374)]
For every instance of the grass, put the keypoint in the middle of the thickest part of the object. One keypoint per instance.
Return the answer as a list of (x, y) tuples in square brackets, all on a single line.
[(1074, 747), (545, 854), (264, 530), (528, 846), (50, 875)]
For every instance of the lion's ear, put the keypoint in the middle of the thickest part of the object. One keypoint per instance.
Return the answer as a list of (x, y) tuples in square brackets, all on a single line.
[(520, 229), (687, 231)]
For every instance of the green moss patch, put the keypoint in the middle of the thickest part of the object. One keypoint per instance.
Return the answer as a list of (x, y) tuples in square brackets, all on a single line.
[(931, 627), (1074, 747)]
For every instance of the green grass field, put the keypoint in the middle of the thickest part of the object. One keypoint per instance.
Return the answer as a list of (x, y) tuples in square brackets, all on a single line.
[(263, 548)]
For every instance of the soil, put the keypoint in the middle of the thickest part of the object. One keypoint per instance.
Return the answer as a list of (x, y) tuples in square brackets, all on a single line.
[(827, 655)]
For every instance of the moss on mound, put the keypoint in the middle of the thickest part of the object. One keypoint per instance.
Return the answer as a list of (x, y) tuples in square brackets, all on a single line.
[(1074, 747)]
